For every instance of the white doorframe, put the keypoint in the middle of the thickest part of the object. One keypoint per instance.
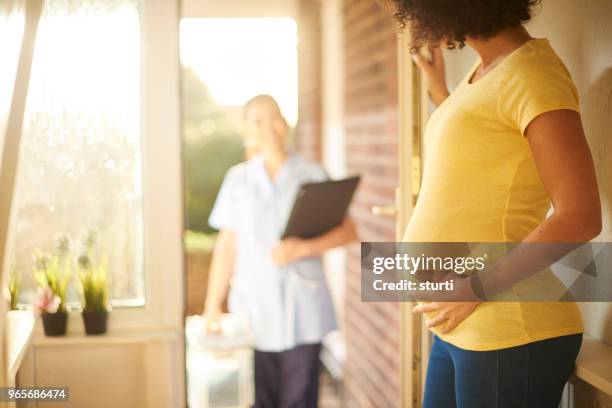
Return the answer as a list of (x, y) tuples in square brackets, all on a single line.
[(161, 143), (162, 199), (412, 117), (238, 8), (333, 134)]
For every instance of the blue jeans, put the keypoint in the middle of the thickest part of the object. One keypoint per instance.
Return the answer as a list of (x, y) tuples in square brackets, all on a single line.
[(528, 376)]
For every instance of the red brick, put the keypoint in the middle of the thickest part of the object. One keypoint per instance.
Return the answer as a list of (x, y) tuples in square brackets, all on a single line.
[(372, 372)]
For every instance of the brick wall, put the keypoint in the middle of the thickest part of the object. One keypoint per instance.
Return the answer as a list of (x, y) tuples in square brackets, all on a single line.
[(308, 129), (372, 329), (197, 266), (371, 118)]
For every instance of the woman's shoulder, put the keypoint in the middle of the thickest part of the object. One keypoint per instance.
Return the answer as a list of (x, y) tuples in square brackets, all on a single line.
[(536, 82), (299, 160), (238, 171), (538, 60), (538, 70), (307, 167)]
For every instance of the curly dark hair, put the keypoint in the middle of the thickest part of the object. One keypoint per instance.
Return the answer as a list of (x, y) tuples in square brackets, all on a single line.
[(432, 21)]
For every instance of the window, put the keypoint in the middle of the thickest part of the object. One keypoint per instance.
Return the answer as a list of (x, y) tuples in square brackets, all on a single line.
[(80, 160)]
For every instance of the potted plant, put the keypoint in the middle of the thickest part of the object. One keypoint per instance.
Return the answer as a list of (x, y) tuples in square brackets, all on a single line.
[(93, 277), (52, 273), (16, 316), (47, 305)]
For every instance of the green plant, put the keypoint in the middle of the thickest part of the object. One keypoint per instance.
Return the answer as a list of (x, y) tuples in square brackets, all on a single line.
[(93, 277), (14, 286), (54, 271), (211, 135), (196, 241)]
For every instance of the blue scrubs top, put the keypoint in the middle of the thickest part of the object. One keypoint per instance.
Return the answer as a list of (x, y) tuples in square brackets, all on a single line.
[(285, 305)]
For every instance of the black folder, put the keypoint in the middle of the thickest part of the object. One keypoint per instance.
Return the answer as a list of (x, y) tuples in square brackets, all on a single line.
[(320, 207)]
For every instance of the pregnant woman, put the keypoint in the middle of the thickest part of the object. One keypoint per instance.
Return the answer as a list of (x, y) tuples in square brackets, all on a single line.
[(500, 148)]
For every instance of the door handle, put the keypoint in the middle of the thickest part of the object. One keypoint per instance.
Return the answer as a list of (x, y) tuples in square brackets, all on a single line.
[(385, 211)]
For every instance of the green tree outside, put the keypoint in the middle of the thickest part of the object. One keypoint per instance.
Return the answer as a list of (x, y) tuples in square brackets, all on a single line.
[(211, 145)]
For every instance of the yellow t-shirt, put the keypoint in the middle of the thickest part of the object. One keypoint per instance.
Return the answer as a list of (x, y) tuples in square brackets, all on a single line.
[(480, 184)]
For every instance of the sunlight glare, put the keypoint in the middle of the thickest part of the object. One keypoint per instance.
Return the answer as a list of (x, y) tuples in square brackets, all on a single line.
[(238, 58), (77, 50)]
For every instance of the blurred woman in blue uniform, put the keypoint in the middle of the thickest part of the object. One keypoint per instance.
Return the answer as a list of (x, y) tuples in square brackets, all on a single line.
[(279, 286)]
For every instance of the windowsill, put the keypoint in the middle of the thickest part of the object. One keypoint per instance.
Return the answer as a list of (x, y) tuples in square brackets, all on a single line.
[(20, 329), (75, 306), (594, 364), (111, 338)]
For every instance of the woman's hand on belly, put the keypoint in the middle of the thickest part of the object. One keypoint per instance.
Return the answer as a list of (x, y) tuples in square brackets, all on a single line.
[(448, 314)]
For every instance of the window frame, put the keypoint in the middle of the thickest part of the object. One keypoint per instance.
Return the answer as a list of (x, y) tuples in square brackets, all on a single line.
[(162, 206)]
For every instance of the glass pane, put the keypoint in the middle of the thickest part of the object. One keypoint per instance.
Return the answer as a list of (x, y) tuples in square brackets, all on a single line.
[(80, 160)]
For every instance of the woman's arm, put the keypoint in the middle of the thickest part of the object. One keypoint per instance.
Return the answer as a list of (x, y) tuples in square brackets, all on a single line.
[(434, 73), (291, 249), (565, 165), (221, 269)]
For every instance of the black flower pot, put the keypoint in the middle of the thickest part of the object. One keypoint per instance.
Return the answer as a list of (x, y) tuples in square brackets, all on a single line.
[(95, 321), (55, 323)]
